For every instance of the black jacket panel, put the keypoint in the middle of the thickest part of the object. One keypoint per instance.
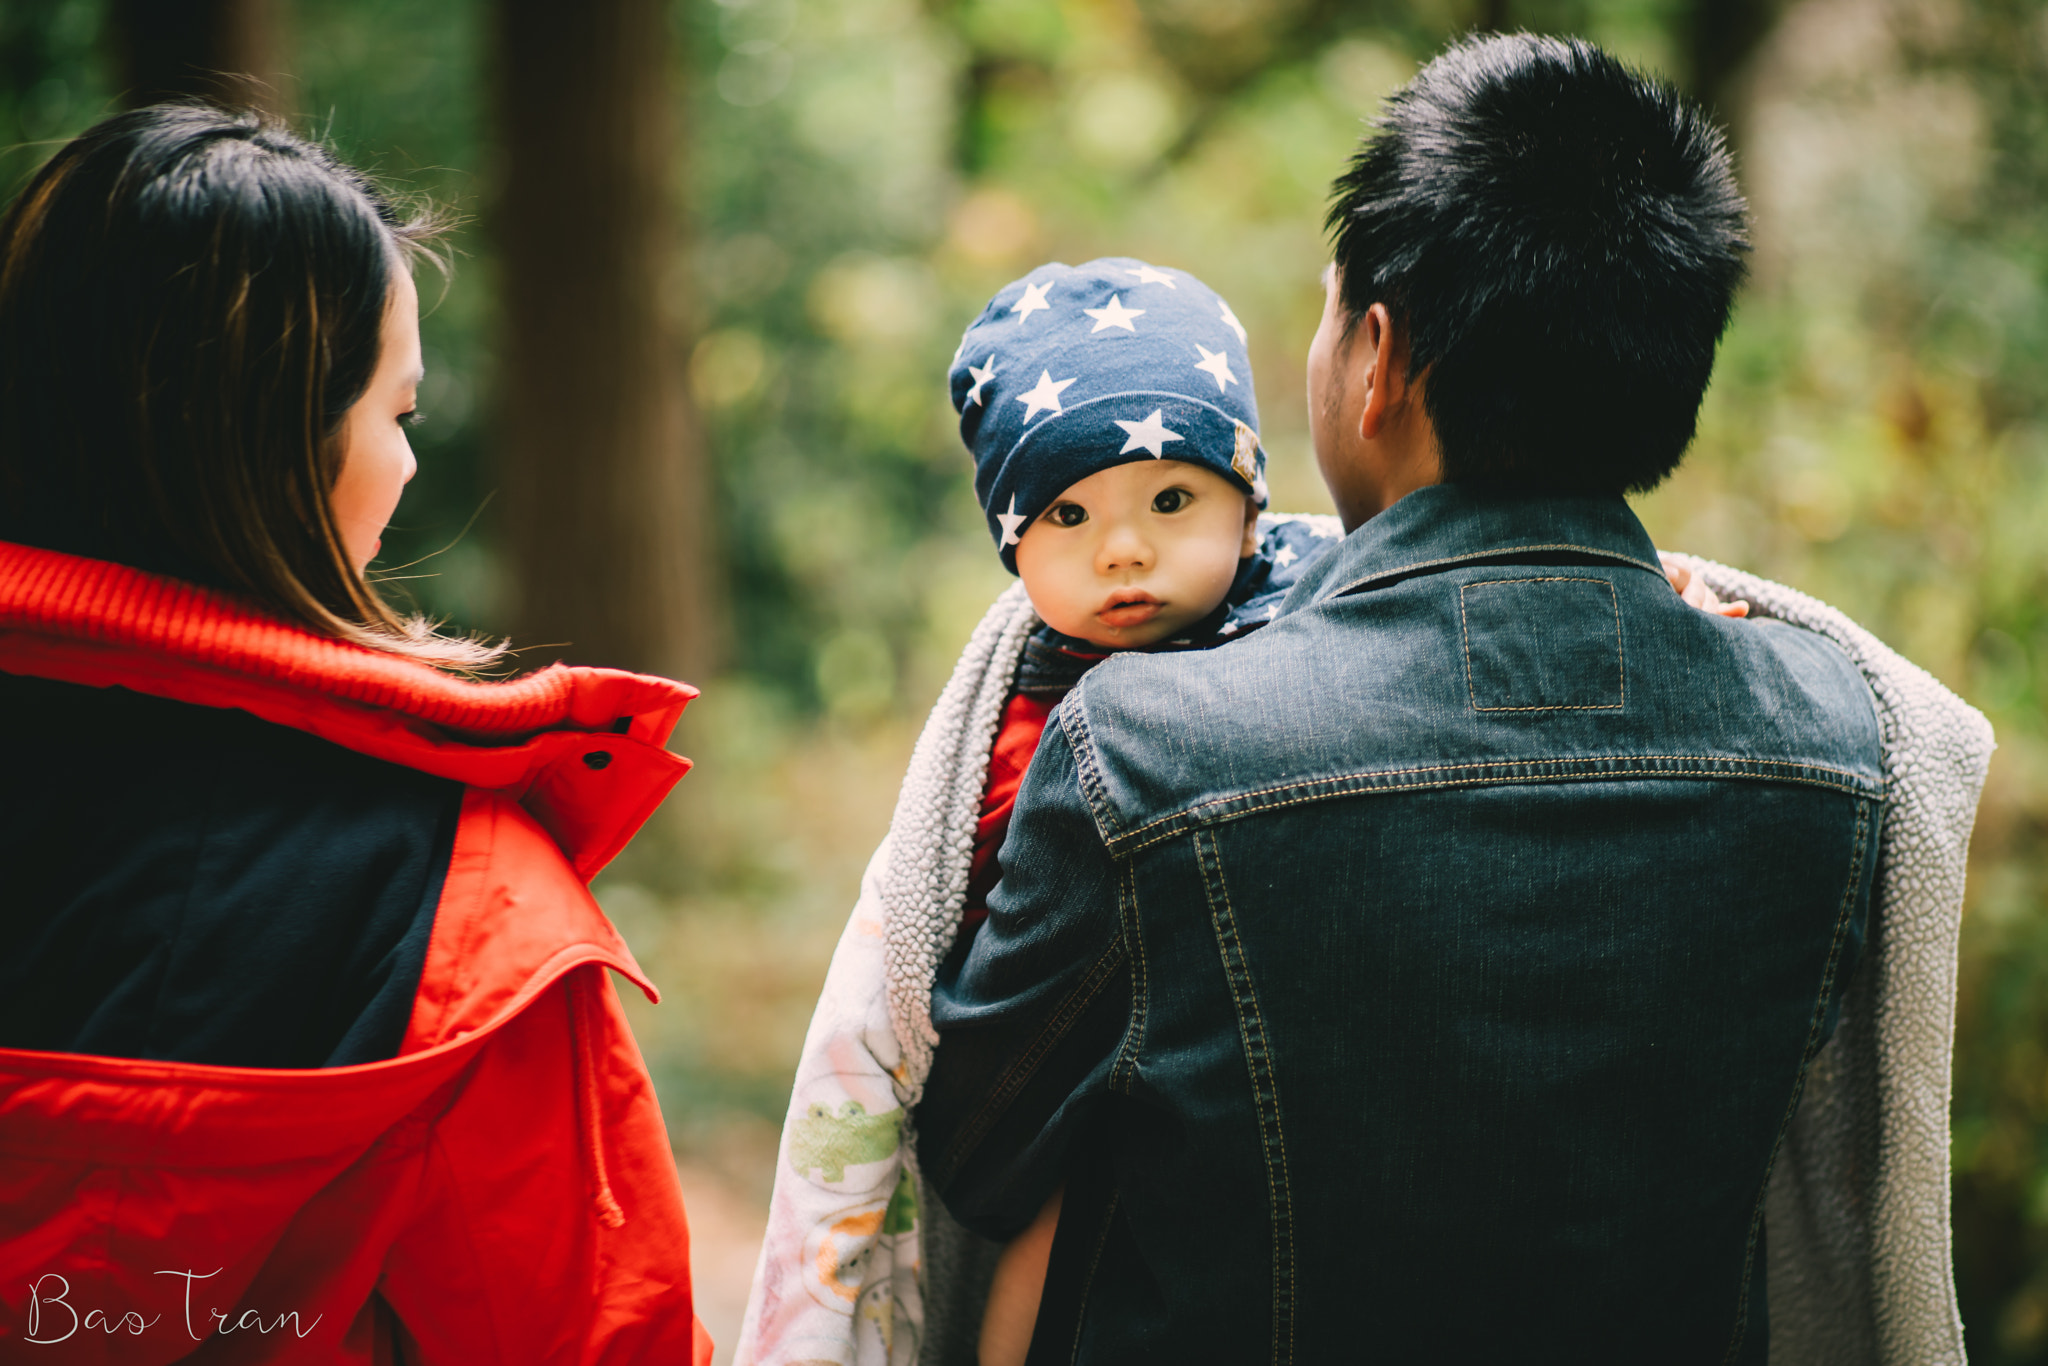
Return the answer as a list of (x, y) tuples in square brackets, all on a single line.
[(193, 884)]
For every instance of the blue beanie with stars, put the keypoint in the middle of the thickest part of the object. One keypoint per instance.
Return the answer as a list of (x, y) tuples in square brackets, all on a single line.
[(1073, 369)]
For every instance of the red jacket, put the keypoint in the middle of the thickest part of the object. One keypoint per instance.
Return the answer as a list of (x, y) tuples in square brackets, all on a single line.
[(502, 1191)]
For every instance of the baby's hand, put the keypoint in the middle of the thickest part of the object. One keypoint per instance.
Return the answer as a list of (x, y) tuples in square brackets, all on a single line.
[(1695, 591)]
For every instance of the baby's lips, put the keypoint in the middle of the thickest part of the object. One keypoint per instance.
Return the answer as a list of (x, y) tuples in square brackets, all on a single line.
[(1131, 612)]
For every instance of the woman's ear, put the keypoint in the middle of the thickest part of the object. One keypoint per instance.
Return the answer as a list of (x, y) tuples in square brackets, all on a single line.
[(1250, 544)]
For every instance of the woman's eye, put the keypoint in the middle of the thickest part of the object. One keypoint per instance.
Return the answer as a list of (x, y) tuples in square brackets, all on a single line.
[(1067, 514), (411, 419), (1170, 500)]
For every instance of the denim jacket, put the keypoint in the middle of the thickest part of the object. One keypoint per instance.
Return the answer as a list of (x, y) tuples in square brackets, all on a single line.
[(1430, 976)]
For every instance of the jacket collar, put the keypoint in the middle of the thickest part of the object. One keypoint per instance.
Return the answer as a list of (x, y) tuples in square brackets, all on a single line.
[(1445, 525), (582, 749)]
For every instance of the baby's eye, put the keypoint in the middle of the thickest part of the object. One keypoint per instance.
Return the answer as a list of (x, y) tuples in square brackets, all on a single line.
[(1066, 514), (1171, 500)]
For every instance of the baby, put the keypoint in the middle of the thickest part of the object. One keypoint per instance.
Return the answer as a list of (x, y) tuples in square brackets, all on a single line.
[(1110, 413)]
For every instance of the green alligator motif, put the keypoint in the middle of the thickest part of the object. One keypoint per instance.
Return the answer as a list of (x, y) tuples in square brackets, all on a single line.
[(830, 1143), (901, 1216)]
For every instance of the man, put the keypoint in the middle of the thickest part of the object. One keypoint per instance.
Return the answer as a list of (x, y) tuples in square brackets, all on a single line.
[(1431, 976)]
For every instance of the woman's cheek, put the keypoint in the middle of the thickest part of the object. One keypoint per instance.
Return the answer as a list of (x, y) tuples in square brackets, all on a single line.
[(398, 474), (397, 469), (373, 478)]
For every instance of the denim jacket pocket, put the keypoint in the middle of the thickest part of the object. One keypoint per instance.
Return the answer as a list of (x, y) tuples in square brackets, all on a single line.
[(1543, 644)]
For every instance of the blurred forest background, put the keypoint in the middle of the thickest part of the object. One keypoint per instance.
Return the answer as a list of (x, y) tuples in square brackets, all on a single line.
[(686, 402)]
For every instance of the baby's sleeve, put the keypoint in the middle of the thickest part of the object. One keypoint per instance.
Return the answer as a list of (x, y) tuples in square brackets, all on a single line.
[(1031, 1016)]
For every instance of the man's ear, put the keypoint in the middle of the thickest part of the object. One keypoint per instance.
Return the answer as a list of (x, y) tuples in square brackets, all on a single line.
[(1373, 364), (1250, 544)]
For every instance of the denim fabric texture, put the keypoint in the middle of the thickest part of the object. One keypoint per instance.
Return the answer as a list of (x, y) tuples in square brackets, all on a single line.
[(1428, 976)]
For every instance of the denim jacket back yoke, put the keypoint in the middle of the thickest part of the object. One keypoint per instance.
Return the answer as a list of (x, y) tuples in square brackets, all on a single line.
[(1430, 975)]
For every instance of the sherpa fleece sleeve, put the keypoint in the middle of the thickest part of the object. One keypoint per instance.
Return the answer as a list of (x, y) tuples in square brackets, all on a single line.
[(1030, 1014)]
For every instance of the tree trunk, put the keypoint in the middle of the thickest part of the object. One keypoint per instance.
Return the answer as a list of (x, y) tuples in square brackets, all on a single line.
[(1720, 37), (607, 506), (224, 50)]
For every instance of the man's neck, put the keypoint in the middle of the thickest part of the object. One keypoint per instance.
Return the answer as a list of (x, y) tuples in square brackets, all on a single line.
[(1404, 458)]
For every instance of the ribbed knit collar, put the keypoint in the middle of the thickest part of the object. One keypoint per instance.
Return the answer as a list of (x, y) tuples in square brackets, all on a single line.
[(64, 598), (583, 750)]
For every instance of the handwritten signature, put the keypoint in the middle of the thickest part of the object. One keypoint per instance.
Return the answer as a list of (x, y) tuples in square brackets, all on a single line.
[(42, 1303)]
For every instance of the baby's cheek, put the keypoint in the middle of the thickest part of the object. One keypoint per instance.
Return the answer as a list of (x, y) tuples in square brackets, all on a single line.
[(1221, 572), (1054, 599)]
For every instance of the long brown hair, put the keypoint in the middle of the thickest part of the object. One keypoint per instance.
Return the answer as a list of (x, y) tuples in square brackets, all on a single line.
[(191, 299)]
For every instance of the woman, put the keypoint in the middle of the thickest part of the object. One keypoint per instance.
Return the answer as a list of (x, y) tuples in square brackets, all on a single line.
[(307, 1047)]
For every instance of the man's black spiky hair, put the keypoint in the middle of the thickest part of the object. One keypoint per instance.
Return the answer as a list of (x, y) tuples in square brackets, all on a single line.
[(1562, 238)]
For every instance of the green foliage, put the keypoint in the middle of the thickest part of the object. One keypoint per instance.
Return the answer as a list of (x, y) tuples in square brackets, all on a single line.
[(396, 88), (52, 86), (821, 175)]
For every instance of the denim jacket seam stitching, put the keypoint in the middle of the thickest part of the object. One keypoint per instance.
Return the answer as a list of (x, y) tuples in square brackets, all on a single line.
[(1620, 658), (1081, 742), (1339, 786), (1265, 1087), (1126, 1064), (1509, 763), (1025, 1065), (1420, 565), (1088, 1281), (1807, 1055), (1557, 706), (1465, 631)]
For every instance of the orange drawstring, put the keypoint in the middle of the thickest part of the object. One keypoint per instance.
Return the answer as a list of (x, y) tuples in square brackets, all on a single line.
[(582, 1028)]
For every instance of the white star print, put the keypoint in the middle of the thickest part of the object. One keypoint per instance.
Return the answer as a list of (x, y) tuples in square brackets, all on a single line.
[(1116, 315), (1149, 435), (1218, 365), (1011, 520), (1235, 325), (981, 376), (1229, 629), (1322, 532), (1033, 300), (1148, 276), (1046, 395), (1286, 556), (1273, 611)]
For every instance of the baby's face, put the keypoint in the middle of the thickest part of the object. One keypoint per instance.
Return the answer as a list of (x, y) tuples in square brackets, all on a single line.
[(1137, 553)]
